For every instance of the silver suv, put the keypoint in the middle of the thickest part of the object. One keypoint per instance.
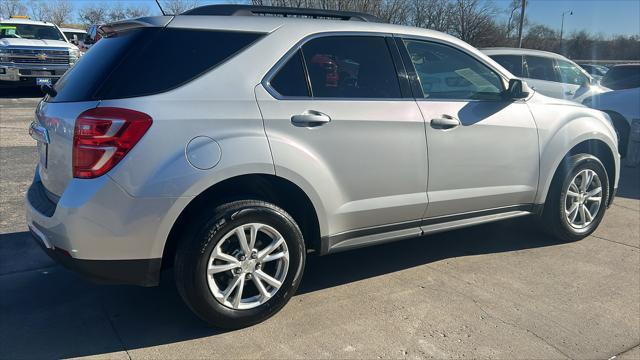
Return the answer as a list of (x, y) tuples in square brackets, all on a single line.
[(279, 136)]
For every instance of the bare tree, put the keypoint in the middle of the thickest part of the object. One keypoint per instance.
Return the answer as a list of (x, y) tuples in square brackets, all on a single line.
[(93, 14), (59, 11), (471, 19), (137, 11), (432, 14), (12, 7), (38, 10), (116, 12), (178, 6)]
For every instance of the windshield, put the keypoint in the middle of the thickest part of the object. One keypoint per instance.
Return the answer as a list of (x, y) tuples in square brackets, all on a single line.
[(28, 31)]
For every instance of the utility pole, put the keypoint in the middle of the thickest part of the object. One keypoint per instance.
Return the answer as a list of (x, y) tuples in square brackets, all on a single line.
[(570, 12), (524, 4)]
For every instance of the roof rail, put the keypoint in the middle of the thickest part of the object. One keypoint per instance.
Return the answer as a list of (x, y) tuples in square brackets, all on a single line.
[(255, 10)]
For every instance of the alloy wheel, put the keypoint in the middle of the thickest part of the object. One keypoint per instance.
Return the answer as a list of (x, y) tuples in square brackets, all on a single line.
[(583, 199), (248, 266)]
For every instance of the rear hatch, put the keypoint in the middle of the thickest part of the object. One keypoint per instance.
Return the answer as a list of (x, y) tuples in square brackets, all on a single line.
[(135, 58), (78, 91)]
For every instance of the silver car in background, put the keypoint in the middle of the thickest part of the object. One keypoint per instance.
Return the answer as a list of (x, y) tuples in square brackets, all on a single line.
[(548, 73), (280, 136)]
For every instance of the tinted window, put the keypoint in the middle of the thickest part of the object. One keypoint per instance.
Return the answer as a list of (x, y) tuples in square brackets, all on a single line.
[(81, 81), (170, 59), (351, 67), (622, 77), (570, 74), (147, 61), (513, 63), (290, 80), (447, 73), (541, 68)]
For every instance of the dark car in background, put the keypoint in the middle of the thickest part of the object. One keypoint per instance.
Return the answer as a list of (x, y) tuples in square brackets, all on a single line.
[(620, 77), (597, 71)]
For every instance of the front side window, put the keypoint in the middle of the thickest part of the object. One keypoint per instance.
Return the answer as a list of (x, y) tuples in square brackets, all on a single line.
[(351, 67), (513, 63), (570, 74), (27, 31), (447, 73), (541, 68)]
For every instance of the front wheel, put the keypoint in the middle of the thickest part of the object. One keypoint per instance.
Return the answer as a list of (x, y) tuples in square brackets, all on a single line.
[(241, 264), (577, 200)]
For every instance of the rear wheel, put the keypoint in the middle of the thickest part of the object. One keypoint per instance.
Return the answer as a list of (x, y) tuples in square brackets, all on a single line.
[(577, 200), (241, 264)]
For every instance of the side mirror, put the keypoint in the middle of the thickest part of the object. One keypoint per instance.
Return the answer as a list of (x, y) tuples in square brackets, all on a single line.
[(518, 89)]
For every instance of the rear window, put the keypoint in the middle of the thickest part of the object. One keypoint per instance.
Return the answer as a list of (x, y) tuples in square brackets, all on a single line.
[(148, 61)]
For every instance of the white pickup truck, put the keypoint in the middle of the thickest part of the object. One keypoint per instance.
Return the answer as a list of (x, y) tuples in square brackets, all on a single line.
[(33, 53)]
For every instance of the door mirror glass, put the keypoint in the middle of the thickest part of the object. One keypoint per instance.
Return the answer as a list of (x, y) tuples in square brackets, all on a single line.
[(518, 89)]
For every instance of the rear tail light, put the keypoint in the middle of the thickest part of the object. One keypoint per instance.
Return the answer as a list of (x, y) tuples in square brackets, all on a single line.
[(103, 136)]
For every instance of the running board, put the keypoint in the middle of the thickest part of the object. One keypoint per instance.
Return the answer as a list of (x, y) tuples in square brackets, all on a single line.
[(387, 233)]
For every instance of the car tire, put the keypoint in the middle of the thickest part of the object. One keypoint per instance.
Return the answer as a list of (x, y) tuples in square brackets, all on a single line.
[(570, 212), (212, 243)]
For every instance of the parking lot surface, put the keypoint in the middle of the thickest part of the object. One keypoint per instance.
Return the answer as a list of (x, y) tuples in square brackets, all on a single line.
[(502, 290)]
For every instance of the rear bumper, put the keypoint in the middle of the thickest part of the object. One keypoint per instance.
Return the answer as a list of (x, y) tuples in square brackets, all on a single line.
[(99, 230), (142, 272)]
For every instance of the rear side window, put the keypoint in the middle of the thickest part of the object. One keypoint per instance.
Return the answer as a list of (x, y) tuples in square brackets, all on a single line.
[(351, 67), (541, 68), (513, 63), (148, 61), (291, 80), (82, 80)]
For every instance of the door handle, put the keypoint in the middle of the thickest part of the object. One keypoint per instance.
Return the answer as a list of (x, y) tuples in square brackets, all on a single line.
[(569, 93), (445, 122), (310, 118)]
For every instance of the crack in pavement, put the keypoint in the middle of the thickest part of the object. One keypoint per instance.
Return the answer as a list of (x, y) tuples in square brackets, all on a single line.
[(625, 351), (519, 327), (626, 207), (113, 328), (495, 317), (615, 242)]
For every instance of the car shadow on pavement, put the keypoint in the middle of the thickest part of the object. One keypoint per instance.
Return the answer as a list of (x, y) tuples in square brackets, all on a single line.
[(53, 313), (49, 312), (21, 92), (629, 185)]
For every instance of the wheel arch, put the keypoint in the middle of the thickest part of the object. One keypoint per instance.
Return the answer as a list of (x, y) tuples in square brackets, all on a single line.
[(596, 147), (271, 188)]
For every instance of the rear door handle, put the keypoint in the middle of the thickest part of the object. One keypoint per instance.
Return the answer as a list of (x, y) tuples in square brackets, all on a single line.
[(445, 122), (310, 118)]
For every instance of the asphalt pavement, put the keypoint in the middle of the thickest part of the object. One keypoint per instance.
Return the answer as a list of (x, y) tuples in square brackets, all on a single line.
[(503, 290)]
